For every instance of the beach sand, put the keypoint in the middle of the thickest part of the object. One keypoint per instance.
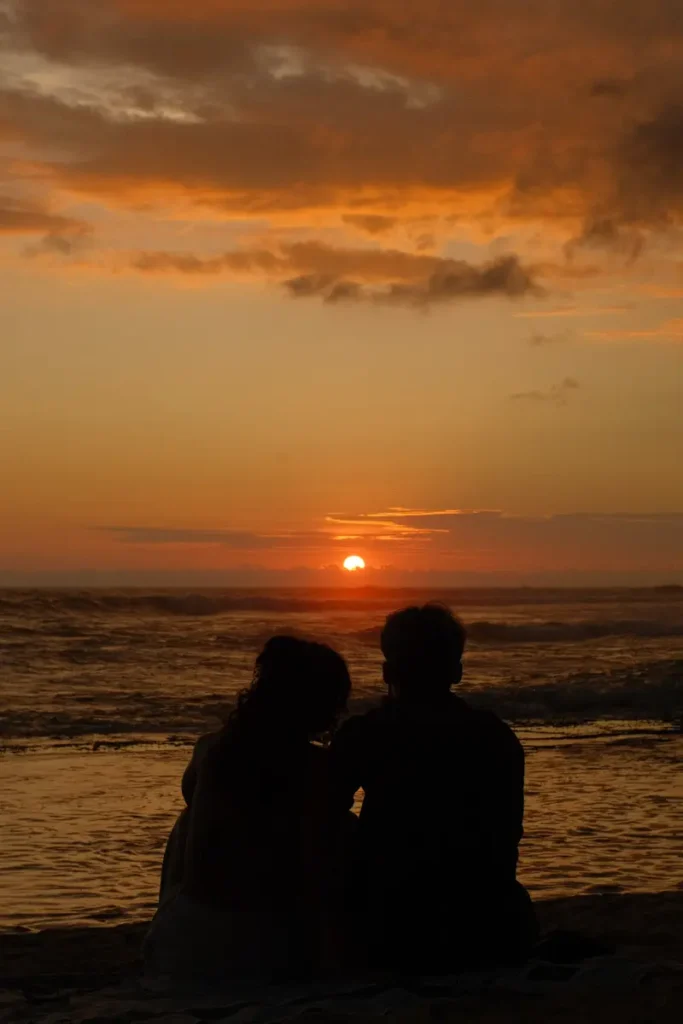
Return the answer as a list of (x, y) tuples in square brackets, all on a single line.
[(60, 976)]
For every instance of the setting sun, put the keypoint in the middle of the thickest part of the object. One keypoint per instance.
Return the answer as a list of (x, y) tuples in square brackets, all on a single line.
[(353, 563)]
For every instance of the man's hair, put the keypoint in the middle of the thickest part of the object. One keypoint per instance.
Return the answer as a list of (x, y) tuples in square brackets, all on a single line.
[(423, 648)]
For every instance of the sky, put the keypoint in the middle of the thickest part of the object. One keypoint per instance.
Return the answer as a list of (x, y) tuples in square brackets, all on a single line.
[(287, 280)]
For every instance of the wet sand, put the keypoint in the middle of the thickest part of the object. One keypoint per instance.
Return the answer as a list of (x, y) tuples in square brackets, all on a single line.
[(60, 976)]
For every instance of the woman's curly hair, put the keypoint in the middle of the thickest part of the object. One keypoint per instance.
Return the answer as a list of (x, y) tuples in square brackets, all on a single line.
[(299, 687)]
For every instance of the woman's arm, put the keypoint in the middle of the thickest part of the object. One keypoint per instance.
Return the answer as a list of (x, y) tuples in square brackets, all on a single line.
[(348, 762)]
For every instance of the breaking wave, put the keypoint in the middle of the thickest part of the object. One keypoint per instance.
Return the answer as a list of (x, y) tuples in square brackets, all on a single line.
[(652, 692), (108, 663), (568, 632), (657, 624), (181, 604), (485, 632)]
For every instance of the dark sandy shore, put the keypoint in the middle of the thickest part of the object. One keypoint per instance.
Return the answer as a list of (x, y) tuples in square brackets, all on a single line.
[(55, 977)]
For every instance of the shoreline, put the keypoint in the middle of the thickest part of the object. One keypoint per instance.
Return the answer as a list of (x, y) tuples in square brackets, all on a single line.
[(537, 733)]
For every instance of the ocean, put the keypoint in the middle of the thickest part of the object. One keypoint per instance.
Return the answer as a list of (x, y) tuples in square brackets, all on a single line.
[(102, 694)]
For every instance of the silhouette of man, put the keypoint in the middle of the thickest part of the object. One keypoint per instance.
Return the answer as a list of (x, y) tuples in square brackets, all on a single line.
[(432, 884)]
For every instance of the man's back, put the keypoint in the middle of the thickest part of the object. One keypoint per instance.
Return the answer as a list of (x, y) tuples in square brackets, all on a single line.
[(442, 814)]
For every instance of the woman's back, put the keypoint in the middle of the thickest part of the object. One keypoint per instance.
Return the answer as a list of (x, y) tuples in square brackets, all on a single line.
[(260, 827)]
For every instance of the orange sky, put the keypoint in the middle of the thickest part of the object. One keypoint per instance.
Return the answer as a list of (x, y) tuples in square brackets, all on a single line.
[(275, 269)]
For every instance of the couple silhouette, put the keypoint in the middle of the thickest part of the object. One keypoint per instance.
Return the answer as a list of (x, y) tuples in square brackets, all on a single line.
[(269, 874)]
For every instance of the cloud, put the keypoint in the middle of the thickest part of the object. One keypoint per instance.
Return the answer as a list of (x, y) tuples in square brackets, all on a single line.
[(368, 32), (385, 526), (561, 311), (381, 276), (453, 281), (656, 291), (246, 262), (558, 394), (457, 540), (540, 340), (399, 512), (670, 330), (238, 540), (21, 218), (336, 93), (608, 234), (312, 116), (370, 223), (495, 540), (317, 540), (611, 87), (652, 155)]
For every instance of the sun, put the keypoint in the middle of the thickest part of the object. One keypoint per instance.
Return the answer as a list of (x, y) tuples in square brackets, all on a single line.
[(353, 563)]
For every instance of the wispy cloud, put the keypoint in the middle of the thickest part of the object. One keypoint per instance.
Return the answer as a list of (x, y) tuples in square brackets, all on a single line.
[(399, 512), (540, 340), (239, 540), (498, 540), (573, 311), (481, 540), (319, 540), (670, 330), (383, 526), (370, 223), (661, 291), (18, 217), (558, 394)]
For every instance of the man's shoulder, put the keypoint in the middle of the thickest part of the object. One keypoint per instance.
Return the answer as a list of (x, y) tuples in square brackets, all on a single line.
[(491, 727), (365, 723), (359, 733), (386, 717)]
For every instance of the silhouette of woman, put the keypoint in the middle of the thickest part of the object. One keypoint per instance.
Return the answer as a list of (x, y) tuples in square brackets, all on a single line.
[(260, 870)]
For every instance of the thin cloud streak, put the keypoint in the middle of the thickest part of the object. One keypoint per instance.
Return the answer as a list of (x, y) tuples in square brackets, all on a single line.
[(558, 394), (246, 540), (573, 311), (670, 330), (239, 540), (21, 218), (485, 539), (540, 340), (500, 541)]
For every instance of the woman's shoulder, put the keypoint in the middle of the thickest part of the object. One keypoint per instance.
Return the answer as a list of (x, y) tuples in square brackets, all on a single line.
[(206, 743), (202, 747)]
